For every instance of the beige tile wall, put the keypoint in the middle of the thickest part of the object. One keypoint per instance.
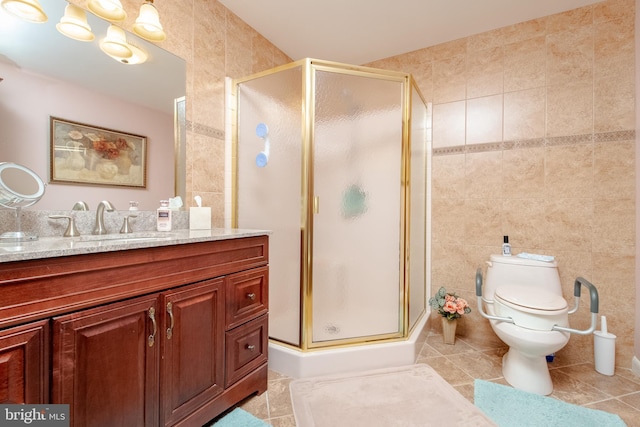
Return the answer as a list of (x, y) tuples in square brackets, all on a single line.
[(534, 137)]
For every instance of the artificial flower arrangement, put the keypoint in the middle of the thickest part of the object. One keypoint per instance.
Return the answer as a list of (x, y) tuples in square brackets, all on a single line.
[(110, 149), (106, 149), (449, 305)]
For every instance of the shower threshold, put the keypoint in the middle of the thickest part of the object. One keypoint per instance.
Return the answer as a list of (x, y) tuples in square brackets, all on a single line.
[(298, 364)]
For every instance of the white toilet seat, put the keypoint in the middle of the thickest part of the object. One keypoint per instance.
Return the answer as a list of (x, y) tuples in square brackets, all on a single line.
[(531, 308)]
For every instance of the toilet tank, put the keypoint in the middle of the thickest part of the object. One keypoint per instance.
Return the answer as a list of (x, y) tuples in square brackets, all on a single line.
[(512, 270)]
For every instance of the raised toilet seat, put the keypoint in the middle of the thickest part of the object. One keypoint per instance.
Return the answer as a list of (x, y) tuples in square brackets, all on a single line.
[(531, 308)]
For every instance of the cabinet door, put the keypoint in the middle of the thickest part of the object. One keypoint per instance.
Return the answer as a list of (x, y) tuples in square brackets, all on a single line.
[(192, 370), (24, 355), (105, 364)]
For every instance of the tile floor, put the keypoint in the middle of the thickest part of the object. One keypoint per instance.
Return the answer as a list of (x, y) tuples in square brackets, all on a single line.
[(461, 363)]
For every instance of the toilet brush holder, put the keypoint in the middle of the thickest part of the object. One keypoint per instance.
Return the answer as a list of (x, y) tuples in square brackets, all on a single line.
[(604, 350)]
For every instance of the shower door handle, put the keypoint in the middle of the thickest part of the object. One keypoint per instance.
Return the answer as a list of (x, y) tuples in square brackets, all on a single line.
[(316, 205)]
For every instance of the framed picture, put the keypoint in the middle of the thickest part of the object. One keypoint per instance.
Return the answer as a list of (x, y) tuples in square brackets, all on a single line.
[(86, 154)]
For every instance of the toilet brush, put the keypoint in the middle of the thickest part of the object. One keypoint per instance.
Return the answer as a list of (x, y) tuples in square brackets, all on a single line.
[(604, 349)]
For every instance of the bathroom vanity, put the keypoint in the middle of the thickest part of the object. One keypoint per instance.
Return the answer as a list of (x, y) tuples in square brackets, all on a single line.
[(151, 330)]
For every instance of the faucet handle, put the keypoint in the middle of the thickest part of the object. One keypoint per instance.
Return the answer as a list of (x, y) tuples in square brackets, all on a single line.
[(80, 206), (126, 227), (72, 230)]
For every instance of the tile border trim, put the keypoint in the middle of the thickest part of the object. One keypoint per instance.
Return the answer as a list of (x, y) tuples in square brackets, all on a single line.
[(205, 130), (623, 135)]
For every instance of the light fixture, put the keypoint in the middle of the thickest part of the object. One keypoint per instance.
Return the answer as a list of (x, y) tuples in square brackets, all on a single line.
[(29, 10), (111, 10), (74, 24), (148, 24), (115, 44)]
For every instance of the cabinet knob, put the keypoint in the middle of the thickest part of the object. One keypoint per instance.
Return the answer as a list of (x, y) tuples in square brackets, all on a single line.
[(251, 296), (250, 347)]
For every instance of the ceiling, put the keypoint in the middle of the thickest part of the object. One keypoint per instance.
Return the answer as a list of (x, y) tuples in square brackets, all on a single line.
[(361, 31)]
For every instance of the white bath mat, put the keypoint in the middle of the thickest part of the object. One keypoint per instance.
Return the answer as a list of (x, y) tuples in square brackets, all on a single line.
[(409, 396)]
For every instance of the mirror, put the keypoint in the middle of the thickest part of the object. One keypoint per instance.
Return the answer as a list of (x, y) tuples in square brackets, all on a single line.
[(19, 187), (45, 74)]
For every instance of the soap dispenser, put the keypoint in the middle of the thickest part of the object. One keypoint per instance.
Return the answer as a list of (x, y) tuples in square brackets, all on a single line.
[(163, 216), (506, 247)]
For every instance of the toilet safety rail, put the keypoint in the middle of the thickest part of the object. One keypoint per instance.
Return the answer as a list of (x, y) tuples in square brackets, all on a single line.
[(593, 307)]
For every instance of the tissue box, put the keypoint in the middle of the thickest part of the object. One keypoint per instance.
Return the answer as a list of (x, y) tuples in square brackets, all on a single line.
[(199, 218)]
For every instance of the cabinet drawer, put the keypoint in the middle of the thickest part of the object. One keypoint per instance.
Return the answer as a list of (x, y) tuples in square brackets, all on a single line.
[(247, 296), (246, 349)]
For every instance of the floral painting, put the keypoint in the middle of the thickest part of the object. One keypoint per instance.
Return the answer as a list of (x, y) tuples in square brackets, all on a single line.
[(85, 154)]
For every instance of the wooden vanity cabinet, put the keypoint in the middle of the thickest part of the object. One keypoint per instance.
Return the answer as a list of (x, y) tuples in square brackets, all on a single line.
[(109, 361), (246, 338), (24, 361), (185, 343), (192, 343), (104, 365)]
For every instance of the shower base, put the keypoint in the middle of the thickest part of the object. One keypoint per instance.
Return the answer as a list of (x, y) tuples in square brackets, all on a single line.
[(298, 364)]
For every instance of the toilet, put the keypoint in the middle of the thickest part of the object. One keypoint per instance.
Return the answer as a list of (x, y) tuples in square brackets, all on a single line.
[(523, 302)]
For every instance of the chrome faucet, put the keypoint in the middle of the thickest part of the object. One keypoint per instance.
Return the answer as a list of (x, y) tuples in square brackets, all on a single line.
[(99, 227)]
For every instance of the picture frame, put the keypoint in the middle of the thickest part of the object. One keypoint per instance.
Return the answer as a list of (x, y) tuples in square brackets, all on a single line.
[(92, 155)]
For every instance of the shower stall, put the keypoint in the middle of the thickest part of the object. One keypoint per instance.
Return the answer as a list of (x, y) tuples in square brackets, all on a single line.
[(334, 160)]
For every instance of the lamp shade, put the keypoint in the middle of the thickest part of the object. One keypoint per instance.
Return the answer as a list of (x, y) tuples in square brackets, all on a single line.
[(115, 43), (111, 10), (29, 10), (74, 24), (148, 25)]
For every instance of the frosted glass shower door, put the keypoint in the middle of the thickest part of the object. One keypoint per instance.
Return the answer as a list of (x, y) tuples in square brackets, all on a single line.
[(357, 190), (419, 135), (268, 197)]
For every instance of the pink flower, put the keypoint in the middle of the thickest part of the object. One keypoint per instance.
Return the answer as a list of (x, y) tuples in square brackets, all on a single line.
[(461, 304), (450, 307)]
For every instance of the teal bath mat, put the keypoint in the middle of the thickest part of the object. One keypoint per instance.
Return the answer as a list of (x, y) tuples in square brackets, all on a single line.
[(239, 418), (509, 407)]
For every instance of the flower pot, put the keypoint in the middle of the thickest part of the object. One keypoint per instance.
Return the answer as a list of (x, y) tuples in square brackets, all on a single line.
[(449, 330)]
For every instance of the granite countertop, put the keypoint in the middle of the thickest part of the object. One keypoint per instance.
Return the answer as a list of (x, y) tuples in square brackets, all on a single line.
[(49, 247)]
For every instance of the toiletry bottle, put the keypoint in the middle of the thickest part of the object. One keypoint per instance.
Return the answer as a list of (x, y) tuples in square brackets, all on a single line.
[(163, 216), (506, 247)]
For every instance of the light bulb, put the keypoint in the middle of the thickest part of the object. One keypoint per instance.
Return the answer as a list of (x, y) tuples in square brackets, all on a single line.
[(74, 24), (111, 10), (29, 10), (148, 24), (115, 43)]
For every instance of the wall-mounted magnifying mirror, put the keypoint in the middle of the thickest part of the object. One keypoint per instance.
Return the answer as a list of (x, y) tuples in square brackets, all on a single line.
[(19, 187)]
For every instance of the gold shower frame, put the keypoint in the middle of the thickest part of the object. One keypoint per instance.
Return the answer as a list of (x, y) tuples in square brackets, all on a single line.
[(309, 66)]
